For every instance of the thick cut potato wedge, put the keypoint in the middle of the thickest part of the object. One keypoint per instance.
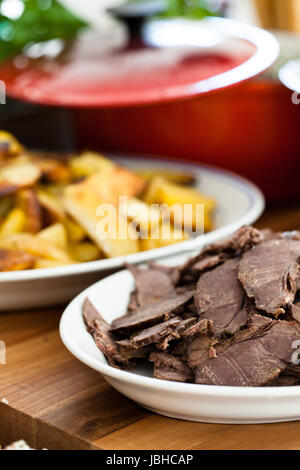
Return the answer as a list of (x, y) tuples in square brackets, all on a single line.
[(75, 232), (14, 222), (164, 236), (145, 217), (54, 171), (85, 251), (55, 234), (114, 182), (21, 174), (36, 246), (83, 202), (89, 163), (16, 260), (29, 203), (176, 197), (51, 204)]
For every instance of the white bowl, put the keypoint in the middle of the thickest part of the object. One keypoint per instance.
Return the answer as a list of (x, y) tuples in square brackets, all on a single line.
[(238, 201), (206, 403)]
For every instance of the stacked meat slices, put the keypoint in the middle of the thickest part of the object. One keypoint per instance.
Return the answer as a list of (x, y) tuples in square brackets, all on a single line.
[(229, 316)]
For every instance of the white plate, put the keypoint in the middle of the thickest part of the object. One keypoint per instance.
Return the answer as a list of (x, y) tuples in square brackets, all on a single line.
[(206, 403), (238, 201)]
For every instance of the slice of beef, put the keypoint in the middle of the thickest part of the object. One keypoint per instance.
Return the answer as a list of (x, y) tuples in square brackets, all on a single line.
[(176, 334), (268, 273), (284, 381), (129, 352), (169, 367), (295, 312), (209, 262), (156, 312), (197, 345), (99, 328), (133, 302), (219, 297), (151, 285), (171, 271), (213, 255), (254, 361), (155, 334)]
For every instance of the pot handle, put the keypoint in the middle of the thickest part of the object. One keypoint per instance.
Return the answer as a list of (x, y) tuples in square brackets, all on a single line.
[(134, 14)]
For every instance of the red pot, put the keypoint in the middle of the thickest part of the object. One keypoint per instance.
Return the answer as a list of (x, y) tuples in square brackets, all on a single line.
[(251, 129), (148, 96)]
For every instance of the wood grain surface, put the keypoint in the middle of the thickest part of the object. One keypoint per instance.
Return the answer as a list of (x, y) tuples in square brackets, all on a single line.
[(58, 403)]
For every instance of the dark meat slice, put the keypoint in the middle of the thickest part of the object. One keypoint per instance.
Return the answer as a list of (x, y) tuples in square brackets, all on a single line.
[(151, 285), (242, 240), (204, 327), (197, 345), (295, 312), (155, 334), (284, 381), (254, 361), (99, 328), (199, 350), (209, 262), (171, 271), (143, 317), (220, 298), (133, 302), (268, 273), (168, 367), (176, 334), (129, 352)]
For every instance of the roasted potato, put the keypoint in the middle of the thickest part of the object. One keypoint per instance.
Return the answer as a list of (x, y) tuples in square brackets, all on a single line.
[(16, 260), (55, 234), (29, 203), (9, 146), (14, 222), (36, 246), (89, 163), (63, 209), (84, 204)]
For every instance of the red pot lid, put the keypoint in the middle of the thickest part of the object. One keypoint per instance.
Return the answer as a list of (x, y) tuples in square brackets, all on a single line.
[(177, 59)]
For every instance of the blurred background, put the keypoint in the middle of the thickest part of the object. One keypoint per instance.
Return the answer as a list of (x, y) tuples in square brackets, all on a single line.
[(251, 129)]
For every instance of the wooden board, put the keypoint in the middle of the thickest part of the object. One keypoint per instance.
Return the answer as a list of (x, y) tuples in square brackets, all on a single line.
[(58, 403)]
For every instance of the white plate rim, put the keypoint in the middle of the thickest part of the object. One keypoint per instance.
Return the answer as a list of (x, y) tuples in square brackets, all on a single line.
[(257, 205), (136, 379)]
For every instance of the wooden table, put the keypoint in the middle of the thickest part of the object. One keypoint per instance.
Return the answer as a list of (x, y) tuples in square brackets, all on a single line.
[(58, 403)]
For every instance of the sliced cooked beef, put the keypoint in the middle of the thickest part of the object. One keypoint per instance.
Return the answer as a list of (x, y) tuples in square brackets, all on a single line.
[(129, 352), (254, 361), (99, 328), (161, 310), (209, 262), (204, 327), (171, 271), (168, 367), (268, 273), (133, 302), (176, 334), (284, 381), (155, 334), (220, 298), (151, 285), (197, 344), (295, 312), (213, 255)]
